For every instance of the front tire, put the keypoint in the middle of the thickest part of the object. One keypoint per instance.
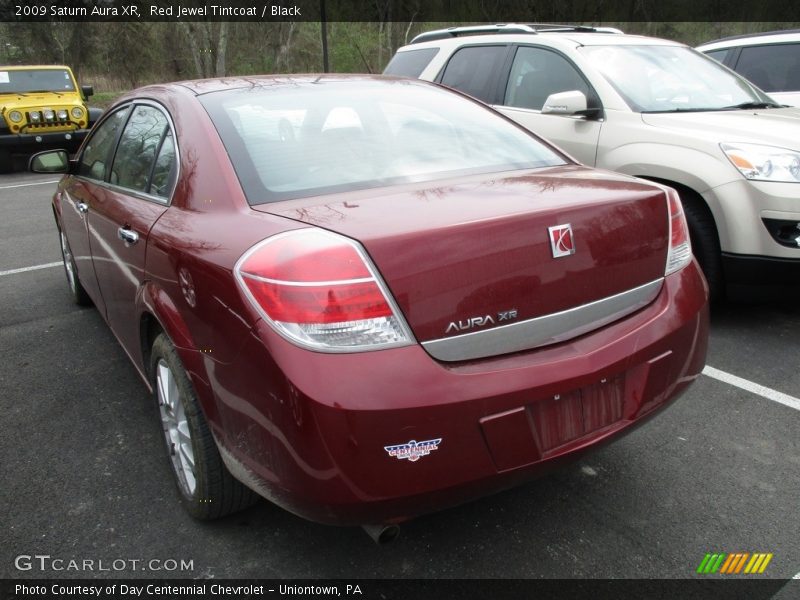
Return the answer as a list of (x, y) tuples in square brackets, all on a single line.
[(705, 245), (207, 490), (6, 162)]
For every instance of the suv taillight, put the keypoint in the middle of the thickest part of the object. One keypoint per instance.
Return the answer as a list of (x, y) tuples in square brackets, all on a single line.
[(680, 248), (320, 290)]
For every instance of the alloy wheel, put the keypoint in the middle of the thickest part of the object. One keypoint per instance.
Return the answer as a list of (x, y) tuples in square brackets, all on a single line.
[(175, 425)]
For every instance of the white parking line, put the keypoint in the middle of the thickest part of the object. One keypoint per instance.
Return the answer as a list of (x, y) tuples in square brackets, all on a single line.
[(34, 268), (754, 388), (19, 185)]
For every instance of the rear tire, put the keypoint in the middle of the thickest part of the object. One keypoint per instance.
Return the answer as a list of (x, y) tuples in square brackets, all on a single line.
[(78, 293), (6, 162), (705, 244), (207, 489)]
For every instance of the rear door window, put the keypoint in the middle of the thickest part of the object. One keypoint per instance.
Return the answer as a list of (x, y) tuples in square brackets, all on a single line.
[(138, 148), (165, 168), (474, 70), (411, 63), (773, 68), (719, 55)]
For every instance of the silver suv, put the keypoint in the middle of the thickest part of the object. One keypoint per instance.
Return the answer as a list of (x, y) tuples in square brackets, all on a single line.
[(770, 60), (651, 108)]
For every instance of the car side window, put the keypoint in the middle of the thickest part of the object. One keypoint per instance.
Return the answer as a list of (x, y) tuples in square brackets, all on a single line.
[(474, 70), (719, 55), (98, 149), (537, 73), (165, 168), (410, 63), (773, 68), (138, 145)]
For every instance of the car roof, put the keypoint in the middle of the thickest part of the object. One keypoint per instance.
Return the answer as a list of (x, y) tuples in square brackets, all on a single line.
[(752, 39), (199, 87)]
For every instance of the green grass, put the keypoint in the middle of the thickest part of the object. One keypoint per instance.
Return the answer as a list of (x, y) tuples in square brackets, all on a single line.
[(104, 99)]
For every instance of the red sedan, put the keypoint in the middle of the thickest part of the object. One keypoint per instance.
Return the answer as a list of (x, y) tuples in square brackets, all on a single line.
[(367, 298)]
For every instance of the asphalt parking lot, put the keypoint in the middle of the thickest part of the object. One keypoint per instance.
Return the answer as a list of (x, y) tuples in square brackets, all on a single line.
[(84, 477)]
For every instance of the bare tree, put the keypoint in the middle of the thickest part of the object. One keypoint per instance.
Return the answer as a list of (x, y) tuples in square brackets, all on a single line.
[(208, 42)]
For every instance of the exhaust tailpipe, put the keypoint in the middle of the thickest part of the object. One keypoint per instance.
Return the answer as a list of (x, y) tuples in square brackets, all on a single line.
[(382, 534)]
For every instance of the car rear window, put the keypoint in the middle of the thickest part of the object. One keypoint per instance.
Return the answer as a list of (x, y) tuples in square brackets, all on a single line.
[(309, 139), (410, 63)]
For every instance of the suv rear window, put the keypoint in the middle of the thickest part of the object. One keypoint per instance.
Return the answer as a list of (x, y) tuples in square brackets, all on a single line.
[(411, 63)]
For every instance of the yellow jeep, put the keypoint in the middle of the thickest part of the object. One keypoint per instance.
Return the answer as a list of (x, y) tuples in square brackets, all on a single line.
[(41, 107)]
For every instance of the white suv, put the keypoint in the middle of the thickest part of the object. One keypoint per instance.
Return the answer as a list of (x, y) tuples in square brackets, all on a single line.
[(651, 108), (770, 60)]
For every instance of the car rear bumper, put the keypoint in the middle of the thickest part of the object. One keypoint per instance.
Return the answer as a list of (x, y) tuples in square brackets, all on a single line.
[(319, 439), (29, 143)]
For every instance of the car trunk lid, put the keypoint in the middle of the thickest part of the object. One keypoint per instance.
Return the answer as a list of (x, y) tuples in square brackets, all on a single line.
[(470, 260)]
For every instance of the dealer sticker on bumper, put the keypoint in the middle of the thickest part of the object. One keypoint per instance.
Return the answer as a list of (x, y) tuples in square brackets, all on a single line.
[(413, 450)]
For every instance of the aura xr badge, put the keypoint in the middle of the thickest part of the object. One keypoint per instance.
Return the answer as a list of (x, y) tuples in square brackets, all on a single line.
[(477, 322), (413, 450), (561, 242)]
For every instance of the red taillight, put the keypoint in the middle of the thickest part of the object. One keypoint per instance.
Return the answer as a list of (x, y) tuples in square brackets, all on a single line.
[(306, 256), (317, 289), (319, 303), (680, 249)]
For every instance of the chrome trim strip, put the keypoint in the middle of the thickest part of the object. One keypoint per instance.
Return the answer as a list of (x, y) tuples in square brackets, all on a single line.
[(544, 330)]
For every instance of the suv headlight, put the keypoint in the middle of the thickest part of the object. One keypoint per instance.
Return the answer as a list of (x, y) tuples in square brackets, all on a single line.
[(77, 112), (15, 116), (764, 163)]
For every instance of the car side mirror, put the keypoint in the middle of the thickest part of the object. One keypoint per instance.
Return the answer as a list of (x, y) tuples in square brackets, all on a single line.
[(50, 161), (568, 104), (87, 90)]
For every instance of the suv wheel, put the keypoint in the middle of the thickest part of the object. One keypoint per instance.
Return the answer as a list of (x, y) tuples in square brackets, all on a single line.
[(705, 244)]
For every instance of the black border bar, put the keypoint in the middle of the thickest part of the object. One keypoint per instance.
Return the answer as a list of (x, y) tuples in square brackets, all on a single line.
[(452, 11), (705, 588)]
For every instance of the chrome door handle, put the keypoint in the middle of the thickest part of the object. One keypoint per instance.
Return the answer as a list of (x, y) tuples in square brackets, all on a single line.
[(127, 235), (82, 207)]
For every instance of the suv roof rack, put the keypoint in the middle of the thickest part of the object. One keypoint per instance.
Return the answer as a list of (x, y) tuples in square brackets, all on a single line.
[(744, 36), (530, 28)]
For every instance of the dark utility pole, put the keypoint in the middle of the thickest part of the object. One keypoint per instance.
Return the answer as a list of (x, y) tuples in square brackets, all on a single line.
[(324, 28)]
